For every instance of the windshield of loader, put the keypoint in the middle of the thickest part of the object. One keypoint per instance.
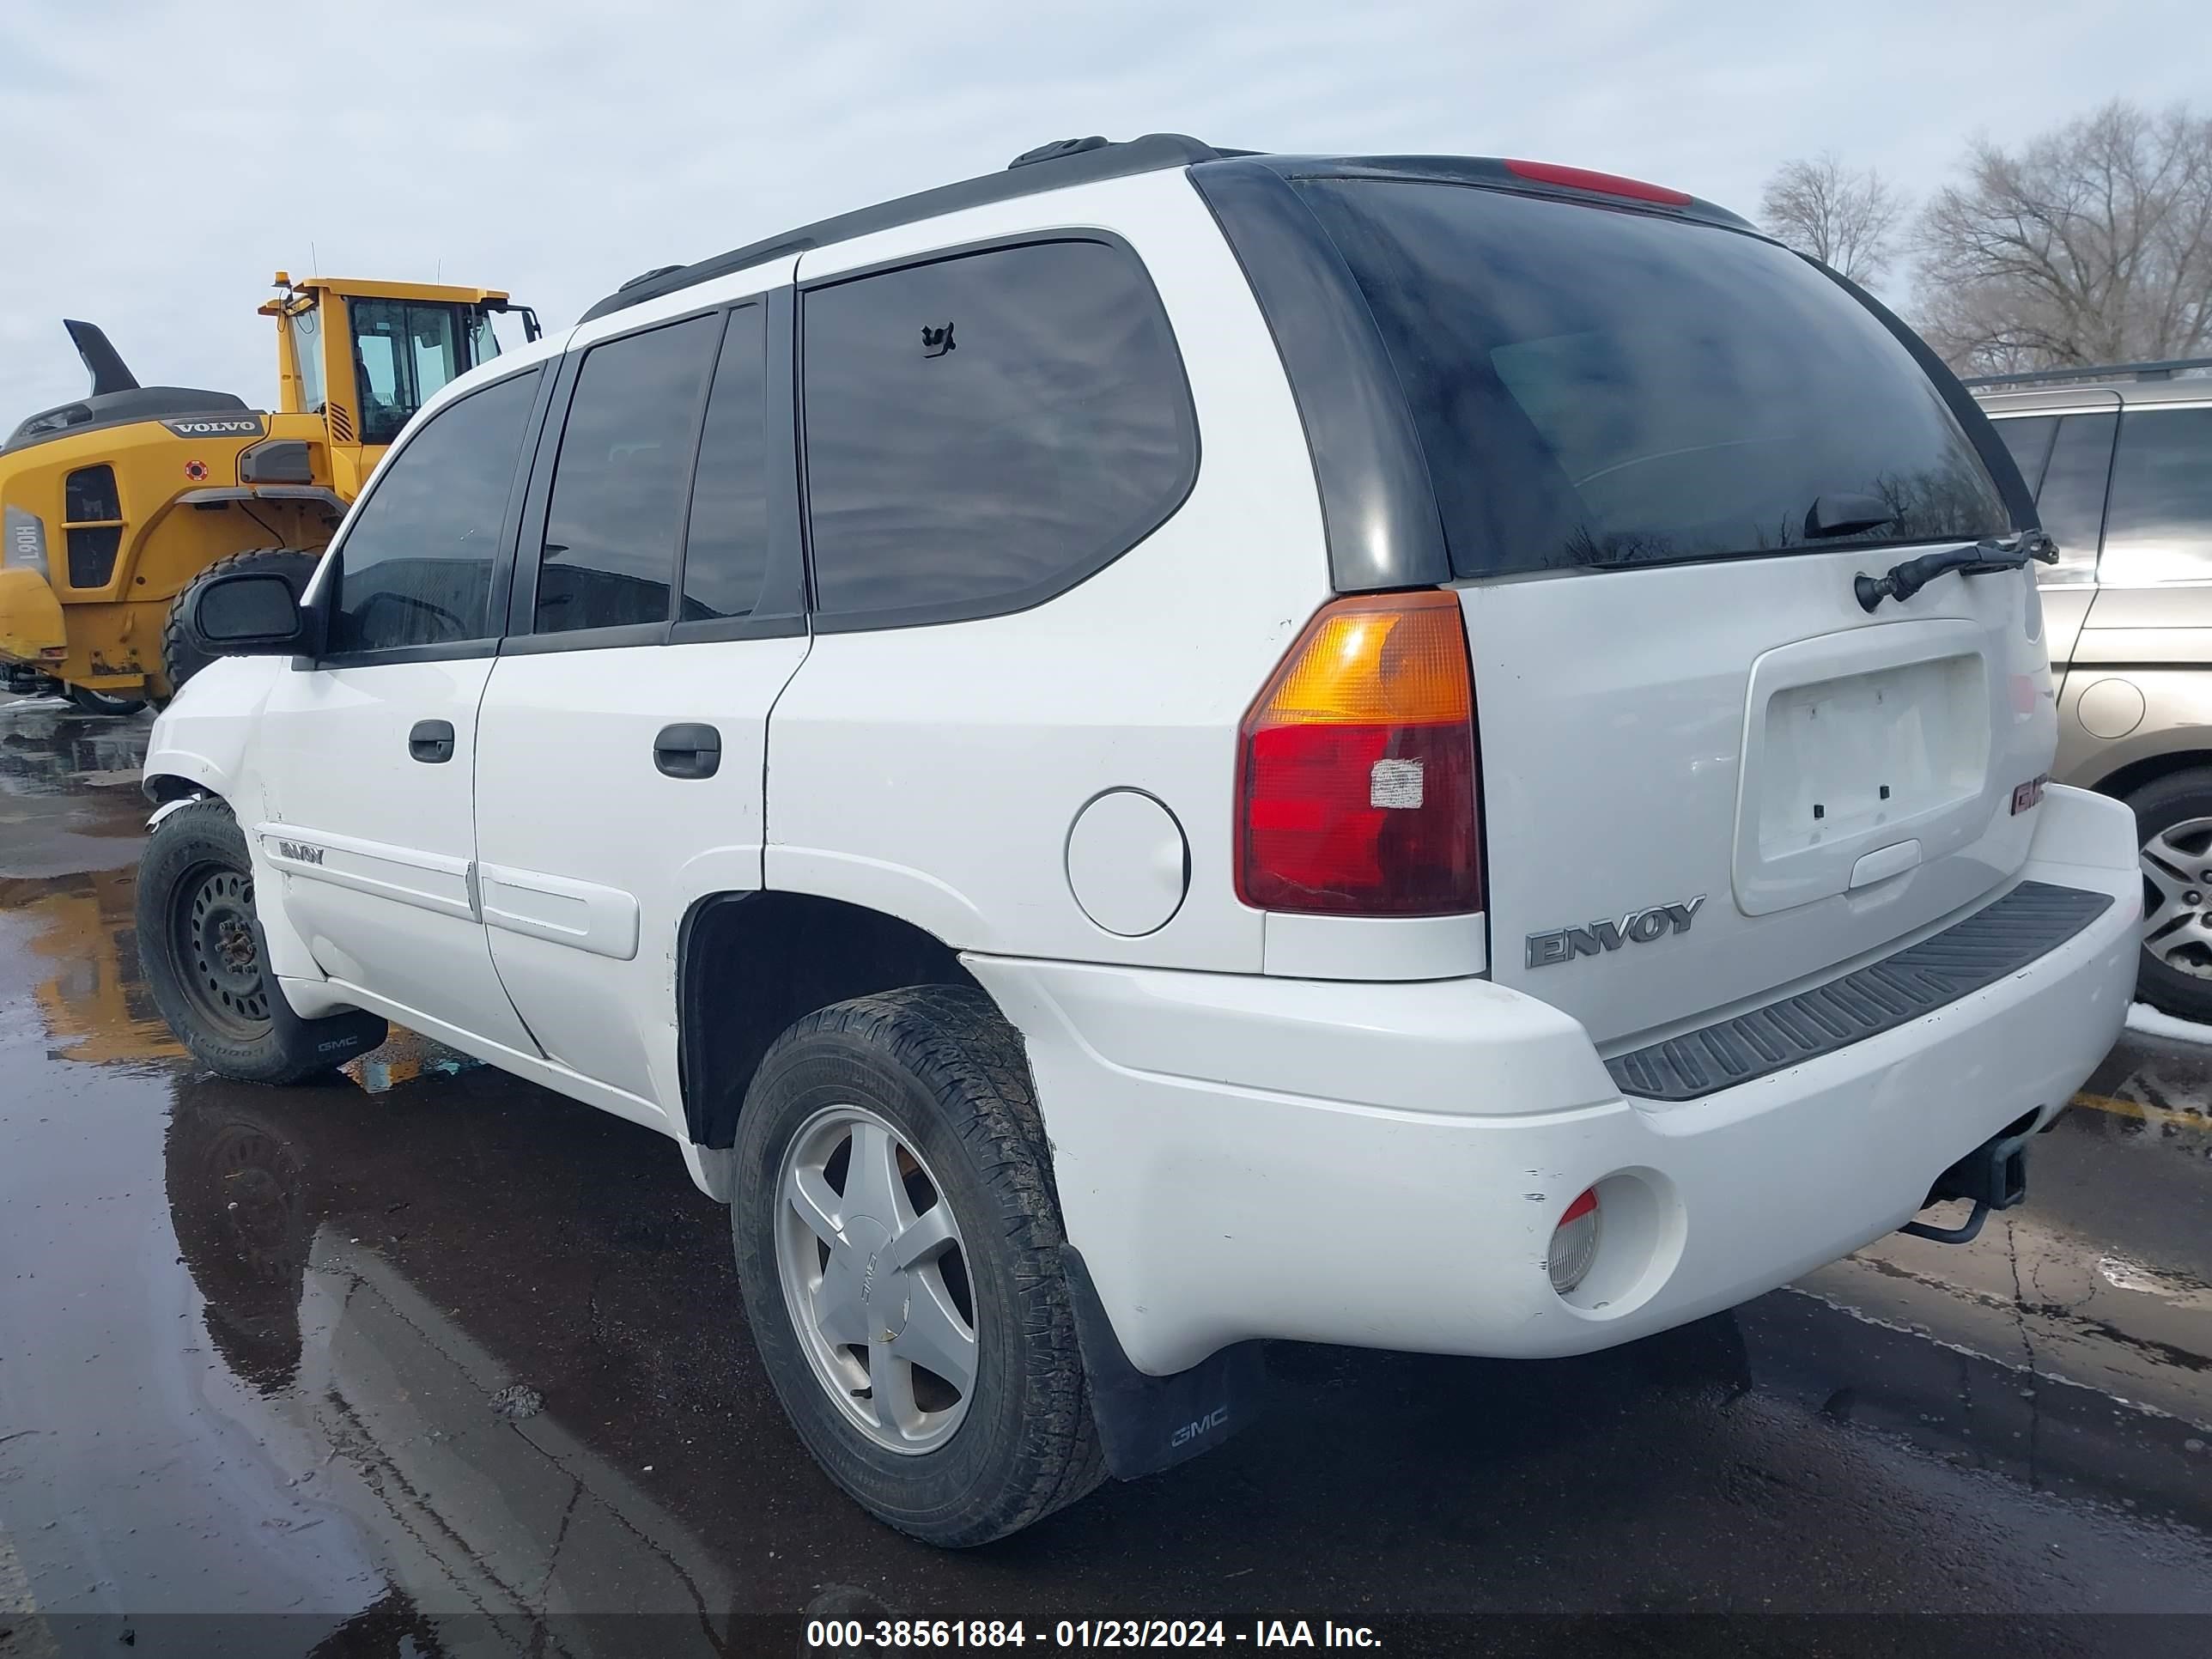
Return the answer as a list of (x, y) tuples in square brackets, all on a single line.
[(404, 352)]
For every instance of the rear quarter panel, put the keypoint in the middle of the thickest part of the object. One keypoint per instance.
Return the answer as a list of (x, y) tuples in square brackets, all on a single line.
[(935, 772)]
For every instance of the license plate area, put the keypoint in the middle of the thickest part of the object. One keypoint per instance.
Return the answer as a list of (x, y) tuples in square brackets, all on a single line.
[(1850, 754), (1855, 742)]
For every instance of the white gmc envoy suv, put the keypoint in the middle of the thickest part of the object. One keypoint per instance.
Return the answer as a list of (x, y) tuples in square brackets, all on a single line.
[(1172, 747)]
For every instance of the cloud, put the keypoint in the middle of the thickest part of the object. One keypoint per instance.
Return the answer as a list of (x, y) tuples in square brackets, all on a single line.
[(158, 162)]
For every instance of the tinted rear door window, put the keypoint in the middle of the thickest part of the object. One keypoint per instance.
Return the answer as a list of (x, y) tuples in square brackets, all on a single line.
[(2158, 526), (611, 527), (1595, 387), (2071, 502), (417, 558), (2028, 437), (985, 430), (726, 549)]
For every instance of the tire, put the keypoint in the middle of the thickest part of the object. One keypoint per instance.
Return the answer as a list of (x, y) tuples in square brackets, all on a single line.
[(89, 702), (200, 946), (945, 1076), (2173, 819), (180, 658)]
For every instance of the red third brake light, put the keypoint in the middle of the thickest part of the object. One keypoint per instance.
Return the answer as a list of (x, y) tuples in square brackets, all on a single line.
[(1356, 783), (1605, 184)]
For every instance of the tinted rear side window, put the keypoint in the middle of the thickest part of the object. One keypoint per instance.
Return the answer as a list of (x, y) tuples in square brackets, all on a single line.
[(726, 549), (2158, 526), (985, 430), (1595, 387), (417, 558), (2028, 437), (611, 527), (2071, 500)]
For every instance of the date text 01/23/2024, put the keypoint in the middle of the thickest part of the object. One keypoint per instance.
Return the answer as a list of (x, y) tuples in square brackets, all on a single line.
[(833, 1634)]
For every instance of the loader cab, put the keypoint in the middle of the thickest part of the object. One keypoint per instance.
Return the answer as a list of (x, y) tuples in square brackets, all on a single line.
[(366, 355)]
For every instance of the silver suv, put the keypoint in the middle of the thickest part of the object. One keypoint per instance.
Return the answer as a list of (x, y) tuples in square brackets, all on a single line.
[(2121, 462)]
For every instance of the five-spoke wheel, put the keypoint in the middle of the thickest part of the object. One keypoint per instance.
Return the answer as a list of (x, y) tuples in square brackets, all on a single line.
[(870, 1255), (898, 1244)]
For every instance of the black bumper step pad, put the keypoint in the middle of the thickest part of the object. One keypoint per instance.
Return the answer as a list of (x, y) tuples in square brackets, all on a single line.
[(2030, 921)]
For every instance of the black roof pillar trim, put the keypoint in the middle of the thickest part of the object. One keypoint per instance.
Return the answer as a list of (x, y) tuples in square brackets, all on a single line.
[(1377, 505)]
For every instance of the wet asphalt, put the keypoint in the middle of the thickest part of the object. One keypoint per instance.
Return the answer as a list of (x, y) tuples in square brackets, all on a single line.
[(426, 1360)]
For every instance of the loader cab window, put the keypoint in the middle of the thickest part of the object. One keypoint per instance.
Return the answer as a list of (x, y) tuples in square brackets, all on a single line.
[(484, 345), (307, 345), (403, 353)]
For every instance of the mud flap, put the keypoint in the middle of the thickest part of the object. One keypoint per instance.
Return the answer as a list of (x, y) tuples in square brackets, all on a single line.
[(1148, 1423), (331, 1041)]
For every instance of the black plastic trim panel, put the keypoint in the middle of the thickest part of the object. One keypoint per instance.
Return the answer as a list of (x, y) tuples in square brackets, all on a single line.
[(1378, 508), (2030, 921)]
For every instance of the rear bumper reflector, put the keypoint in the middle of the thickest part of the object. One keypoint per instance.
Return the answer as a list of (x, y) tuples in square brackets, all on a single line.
[(2031, 920)]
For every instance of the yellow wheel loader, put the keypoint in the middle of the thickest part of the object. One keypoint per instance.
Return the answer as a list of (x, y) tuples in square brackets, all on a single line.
[(111, 506)]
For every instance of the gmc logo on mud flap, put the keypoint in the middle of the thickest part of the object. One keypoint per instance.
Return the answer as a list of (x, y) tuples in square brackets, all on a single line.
[(1205, 1425), (299, 852), (1636, 928)]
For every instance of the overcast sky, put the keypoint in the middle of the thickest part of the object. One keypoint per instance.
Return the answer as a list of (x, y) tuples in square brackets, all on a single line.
[(159, 160)]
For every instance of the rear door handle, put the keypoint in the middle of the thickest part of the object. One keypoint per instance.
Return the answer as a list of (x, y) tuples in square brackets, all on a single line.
[(689, 750), (431, 741)]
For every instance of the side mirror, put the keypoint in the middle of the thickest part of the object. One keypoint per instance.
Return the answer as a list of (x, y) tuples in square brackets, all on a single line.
[(251, 613)]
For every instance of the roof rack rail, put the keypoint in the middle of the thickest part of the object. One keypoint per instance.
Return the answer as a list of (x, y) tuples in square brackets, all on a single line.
[(2164, 369), (1049, 166)]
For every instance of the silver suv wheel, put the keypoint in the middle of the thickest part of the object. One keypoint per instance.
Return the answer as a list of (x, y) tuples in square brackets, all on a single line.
[(869, 1254), (2176, 868)]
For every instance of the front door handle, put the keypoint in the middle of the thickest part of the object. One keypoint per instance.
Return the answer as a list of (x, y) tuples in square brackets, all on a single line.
[(431, 741), (689, 750)]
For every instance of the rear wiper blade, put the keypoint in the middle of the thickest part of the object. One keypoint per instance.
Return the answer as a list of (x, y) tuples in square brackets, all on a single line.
[(1906, 580)]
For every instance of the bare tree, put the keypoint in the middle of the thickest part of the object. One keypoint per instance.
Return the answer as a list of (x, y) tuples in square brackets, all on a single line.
[(1843, 218), (2092, 244)]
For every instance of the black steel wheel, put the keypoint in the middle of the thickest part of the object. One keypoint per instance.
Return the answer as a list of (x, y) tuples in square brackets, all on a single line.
[(211, 923), (201, 946)]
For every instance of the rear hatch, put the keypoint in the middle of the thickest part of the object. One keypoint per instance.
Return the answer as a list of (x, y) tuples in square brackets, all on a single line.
[(1708, 775)]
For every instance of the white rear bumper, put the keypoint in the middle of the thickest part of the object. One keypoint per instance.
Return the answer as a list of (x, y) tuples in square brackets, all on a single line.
[(1383, 1164)]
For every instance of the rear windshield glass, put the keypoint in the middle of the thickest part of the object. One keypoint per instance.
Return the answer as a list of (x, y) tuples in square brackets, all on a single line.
[(1595, 387)]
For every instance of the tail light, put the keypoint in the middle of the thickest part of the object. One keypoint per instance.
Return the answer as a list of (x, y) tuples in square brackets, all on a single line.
[(1574, 1243), (1356, 784)]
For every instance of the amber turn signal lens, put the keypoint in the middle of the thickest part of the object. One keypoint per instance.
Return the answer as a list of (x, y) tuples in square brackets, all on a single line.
[(1357, 770)]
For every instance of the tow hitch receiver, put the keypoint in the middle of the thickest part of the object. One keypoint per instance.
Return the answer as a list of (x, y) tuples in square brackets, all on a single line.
[(1993, 1177)]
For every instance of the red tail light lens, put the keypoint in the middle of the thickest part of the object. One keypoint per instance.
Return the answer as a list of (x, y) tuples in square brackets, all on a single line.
[(1605, 184), (1356, 775)]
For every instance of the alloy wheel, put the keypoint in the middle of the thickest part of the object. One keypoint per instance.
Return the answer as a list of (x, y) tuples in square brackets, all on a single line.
[(2177, 871), (875, 1278)]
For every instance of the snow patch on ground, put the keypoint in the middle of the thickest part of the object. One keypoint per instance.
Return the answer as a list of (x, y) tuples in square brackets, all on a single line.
[(2141, 1017)]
